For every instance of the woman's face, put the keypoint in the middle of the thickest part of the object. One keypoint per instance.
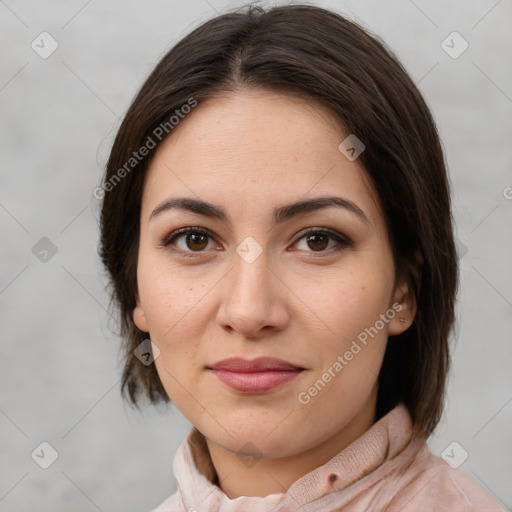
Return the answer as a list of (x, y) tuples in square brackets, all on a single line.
[(312, 286)]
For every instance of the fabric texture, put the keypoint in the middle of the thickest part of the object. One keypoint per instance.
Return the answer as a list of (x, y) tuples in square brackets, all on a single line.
[(386, 469)]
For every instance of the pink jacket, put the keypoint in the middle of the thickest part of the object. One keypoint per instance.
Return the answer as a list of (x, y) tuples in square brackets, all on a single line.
[(385, 469)]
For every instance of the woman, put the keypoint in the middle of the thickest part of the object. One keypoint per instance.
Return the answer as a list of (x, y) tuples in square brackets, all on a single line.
[(277, 229)]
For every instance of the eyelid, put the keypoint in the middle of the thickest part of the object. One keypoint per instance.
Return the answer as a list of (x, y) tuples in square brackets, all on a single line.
[(339, 237), (184, 231)]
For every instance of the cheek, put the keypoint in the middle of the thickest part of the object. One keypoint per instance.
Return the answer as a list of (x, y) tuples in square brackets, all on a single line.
[(352, 303), (176, 319), (172, 299), (177, 322), (349, 358)]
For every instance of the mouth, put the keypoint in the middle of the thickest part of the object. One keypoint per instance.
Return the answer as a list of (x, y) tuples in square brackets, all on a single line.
[(255, 376)]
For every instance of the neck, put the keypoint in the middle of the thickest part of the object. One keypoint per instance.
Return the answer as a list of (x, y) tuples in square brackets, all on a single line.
[(270, 476)]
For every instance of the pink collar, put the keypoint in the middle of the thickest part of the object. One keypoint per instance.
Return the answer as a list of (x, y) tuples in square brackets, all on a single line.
[(387, 447)]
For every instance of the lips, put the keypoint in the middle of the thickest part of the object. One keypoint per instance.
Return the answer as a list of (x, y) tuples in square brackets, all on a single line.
[(254, 376), (261, 364)]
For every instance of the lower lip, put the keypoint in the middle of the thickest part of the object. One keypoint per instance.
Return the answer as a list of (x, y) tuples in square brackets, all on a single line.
[(257, 382)]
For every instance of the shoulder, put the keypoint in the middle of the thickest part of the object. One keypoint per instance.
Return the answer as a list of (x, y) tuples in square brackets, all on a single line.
[(433, 485)]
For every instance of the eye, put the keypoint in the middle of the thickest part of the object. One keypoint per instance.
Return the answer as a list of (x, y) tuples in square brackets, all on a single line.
[(317, 239), (194, 239)]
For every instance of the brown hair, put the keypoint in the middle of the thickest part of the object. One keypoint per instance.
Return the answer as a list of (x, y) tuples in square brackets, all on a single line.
[(319, 55)]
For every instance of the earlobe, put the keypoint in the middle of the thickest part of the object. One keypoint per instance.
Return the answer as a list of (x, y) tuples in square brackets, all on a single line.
[(139, 316), (405, 302), (404, 305)]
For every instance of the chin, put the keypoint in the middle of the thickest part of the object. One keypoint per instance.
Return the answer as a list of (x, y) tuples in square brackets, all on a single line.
[(256, 442)]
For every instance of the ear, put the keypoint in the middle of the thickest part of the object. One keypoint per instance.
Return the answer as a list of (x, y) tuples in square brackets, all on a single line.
[(404, 299), (139, 316)]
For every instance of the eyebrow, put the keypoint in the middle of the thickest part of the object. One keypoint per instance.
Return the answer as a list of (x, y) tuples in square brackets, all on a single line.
[(281, 213)]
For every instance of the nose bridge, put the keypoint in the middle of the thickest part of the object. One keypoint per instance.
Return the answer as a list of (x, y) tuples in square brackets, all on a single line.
[(251, 275), (252, 300)]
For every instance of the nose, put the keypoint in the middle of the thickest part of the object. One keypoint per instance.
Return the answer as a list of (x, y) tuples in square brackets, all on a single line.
[(253, 299)]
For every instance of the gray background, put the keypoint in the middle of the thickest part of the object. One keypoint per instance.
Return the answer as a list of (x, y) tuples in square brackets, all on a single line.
[(59, 369)]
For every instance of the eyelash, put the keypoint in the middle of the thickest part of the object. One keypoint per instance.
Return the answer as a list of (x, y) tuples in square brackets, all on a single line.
[(343, 241)]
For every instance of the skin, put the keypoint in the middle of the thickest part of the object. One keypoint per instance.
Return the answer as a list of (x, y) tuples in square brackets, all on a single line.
[(249, 152)]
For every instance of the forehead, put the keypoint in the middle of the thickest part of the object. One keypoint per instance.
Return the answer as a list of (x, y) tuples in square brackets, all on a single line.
[(259, 147)]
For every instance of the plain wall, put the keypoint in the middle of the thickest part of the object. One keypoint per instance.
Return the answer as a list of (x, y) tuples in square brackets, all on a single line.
[(59, 368)]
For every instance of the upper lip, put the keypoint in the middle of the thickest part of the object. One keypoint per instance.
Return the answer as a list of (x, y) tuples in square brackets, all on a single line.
[(260, 364)]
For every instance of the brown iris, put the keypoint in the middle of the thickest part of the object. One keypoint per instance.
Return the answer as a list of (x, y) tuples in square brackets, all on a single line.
[(319, 240), (195, 238)]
